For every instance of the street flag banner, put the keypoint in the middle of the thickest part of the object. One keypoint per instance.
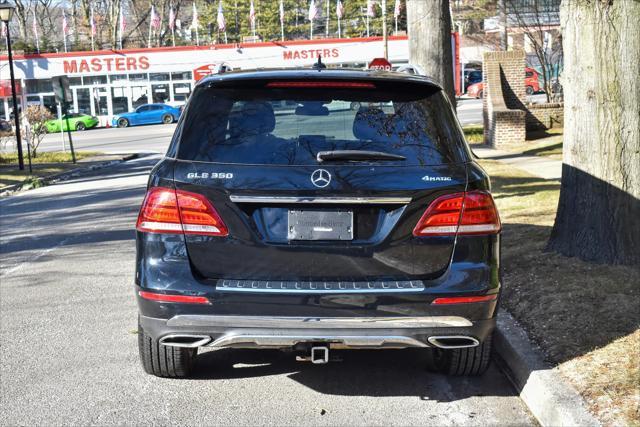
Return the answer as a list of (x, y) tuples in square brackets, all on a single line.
[(371, 13), (339, 14), (194, 23), (155, 18), (65, 29), (371, 10), (123, 25), (222, 26), (92, 23), (252, 19), (396, 13), (35, 31), (313, 13), (65, 24), (172, 25), (282, 20), (3, 29), (172, 19)]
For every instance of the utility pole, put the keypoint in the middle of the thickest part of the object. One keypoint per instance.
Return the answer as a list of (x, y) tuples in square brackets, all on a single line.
[(385, 37)]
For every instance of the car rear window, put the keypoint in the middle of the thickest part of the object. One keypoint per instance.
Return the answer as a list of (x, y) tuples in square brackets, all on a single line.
[(290, 125)]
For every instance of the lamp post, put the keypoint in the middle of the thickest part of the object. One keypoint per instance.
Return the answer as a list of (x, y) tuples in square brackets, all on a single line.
[(6, 12)]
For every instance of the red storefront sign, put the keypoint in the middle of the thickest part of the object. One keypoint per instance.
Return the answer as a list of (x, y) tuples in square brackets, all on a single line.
[(5, 88), (98, 64)]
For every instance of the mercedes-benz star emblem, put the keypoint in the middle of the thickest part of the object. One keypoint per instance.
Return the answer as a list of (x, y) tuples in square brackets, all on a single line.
[(320, 178)]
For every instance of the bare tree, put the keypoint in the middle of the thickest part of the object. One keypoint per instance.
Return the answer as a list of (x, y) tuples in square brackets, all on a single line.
[(534, 18), (35, 117), (599, 204)]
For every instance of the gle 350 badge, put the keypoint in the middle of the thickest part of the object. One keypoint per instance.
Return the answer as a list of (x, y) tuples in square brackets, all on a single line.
[(210, 175)]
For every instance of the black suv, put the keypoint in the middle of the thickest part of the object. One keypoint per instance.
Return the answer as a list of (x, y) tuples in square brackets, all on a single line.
[(282, 217)]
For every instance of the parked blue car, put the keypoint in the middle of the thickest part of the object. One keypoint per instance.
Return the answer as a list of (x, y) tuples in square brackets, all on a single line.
[(147, 114)]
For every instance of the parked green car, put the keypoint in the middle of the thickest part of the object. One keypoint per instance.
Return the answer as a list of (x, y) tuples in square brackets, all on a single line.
[(74, 121)]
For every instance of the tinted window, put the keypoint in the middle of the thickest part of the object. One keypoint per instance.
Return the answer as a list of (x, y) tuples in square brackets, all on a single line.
[(290, 126), (143, 109)]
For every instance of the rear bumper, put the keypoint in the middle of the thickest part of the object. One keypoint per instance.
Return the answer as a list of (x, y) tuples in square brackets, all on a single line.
[(222, 331)]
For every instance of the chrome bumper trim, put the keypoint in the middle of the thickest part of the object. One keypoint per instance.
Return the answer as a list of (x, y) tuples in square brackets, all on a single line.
[(318, 322), (352, 341), (278, 286), (323, 200)]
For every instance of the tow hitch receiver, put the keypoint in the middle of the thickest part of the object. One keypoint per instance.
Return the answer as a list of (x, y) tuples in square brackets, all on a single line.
[(319, 355)]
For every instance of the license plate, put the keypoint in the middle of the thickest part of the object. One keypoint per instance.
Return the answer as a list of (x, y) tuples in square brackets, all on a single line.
[(320, 225)]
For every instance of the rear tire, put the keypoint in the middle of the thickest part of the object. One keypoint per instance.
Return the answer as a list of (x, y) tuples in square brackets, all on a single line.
[(481, 94), (167, 118), (530, 90), (123, 123), (462, 361), (164, 361), (80, 126)]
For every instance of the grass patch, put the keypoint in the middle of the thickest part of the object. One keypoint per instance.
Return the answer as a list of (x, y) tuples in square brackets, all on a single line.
[(46, 157), (585, 316), (45, 164), (474, 134)]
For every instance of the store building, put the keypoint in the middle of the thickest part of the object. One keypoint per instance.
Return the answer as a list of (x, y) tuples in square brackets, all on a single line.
[(106, 83)]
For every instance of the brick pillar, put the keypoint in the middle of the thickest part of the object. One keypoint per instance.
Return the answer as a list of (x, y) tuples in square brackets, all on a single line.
[(503, 109)]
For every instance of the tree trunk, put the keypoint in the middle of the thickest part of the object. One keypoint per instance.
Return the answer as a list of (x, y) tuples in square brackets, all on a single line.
[(598, 215), (429, 28)]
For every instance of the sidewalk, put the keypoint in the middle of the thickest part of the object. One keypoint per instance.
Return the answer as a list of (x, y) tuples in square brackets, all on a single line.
[(542, 167)]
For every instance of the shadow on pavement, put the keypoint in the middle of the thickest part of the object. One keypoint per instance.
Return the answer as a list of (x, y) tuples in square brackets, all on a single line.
[(373, 373)]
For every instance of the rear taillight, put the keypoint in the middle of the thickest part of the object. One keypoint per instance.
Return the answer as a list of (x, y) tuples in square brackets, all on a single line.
[(463, 300), (471, 212), (165, 210), (186, 299)]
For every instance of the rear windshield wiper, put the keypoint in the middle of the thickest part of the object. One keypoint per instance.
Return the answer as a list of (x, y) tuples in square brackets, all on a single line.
[(356, 155)]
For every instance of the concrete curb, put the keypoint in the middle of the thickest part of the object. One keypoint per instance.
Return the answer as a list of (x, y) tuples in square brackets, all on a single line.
[(49, 179), (551, 400)]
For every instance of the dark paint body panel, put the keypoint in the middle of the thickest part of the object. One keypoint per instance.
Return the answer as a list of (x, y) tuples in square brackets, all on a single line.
[(258, 233), (256, 248)]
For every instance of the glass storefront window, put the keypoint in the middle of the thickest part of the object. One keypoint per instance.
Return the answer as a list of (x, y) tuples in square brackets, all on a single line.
[(159, 77), (38, 86), (75, 81), (33, 100), (181, 91), (100, 101), (118, 77), (3, 112), (95, 80), (183, 75), (84, 100), (139, 96), (160, 93), (49, 101), (138, 77), (119, 100)]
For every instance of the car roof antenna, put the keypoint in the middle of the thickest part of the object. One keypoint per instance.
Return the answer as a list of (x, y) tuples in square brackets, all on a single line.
[(319, 65)]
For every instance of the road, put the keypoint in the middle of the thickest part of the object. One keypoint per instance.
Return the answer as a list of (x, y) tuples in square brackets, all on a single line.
[(69, 352)]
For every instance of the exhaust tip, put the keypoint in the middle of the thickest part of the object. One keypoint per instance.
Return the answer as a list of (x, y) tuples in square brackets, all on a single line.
[(453, 341), (186, 341)]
